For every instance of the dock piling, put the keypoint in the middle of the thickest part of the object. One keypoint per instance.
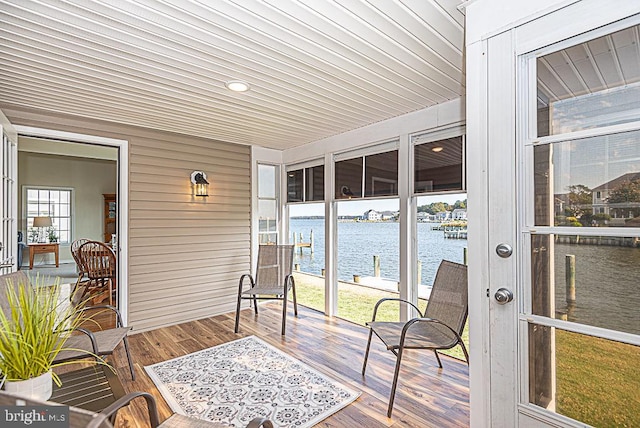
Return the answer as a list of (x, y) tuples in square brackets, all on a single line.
[(376, 266), (570, 278)]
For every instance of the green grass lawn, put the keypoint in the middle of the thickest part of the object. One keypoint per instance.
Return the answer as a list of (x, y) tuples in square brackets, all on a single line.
[(597, 380)]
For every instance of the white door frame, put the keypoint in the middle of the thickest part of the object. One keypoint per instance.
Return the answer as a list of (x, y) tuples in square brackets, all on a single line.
[(123, 198), (10, 167), (492, 92)]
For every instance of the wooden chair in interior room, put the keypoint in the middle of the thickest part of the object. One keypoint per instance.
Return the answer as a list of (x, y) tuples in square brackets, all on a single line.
[(80, 418), (75, 253), (84, 343), (273, 280), (440, 327), (100, 265)]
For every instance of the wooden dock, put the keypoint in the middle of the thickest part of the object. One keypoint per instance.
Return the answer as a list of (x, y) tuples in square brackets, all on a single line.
[(455, 233), (300, 244)]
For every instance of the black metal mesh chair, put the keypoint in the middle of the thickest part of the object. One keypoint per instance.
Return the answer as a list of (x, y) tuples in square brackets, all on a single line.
[(440, 327), (273, 280)]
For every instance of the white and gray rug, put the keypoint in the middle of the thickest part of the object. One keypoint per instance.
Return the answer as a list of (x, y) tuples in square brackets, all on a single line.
[(237, 381)]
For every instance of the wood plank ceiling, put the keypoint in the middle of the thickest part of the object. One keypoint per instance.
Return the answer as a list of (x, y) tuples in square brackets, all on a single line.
[(316, 67)]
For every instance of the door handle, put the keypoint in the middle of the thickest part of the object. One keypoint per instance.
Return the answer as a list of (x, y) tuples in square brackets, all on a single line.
[(504, 250), (503, 296)]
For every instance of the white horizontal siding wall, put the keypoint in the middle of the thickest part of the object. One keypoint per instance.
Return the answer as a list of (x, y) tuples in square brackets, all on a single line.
[(185, 253)]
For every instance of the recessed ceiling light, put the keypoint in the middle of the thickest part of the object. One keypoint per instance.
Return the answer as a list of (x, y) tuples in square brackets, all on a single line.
[(437, 149), (237, 86)]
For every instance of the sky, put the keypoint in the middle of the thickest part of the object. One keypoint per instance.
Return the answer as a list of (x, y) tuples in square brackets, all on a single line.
[(358, 207)]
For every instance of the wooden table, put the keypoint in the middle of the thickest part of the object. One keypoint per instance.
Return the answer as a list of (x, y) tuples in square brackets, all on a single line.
[(51, 247), (91, 388)]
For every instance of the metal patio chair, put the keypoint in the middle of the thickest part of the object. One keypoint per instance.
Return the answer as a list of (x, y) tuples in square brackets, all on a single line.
[(83, 343), (440, 327), (273, 280)]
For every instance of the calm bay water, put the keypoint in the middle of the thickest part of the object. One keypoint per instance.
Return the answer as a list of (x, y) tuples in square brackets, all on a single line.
[(607, 285), (358, 242), (607, 277)]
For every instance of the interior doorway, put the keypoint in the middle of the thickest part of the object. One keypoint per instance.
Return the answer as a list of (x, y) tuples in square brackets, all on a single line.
[(96, 179)]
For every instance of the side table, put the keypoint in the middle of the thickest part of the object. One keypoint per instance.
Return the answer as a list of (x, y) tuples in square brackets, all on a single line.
[(91, 388), (51, 247)]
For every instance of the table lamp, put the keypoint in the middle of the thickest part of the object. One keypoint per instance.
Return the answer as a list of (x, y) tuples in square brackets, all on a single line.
[(41, 222)]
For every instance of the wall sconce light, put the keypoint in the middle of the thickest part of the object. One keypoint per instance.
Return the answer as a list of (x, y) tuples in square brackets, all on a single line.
[(345, 191), (200, 183)]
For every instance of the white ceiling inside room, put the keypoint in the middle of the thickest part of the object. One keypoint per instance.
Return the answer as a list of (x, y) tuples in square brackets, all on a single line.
[(316, 68)]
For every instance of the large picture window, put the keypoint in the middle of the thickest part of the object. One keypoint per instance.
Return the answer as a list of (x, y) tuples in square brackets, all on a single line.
[(53, 203)]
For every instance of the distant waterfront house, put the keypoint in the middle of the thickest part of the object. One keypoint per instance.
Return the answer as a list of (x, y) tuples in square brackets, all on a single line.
[(388, 215), (601, 194), (443, 215), (459, 214), (424, 217), (372, 215)]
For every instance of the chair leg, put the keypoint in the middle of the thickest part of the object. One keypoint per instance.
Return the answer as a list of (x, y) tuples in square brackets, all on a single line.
[(126, 349), (395, 383), (238, 313), (464, 350), (110, 292), (438, 358), (366, 353), (255, 304), (284, 314), (295, 302)]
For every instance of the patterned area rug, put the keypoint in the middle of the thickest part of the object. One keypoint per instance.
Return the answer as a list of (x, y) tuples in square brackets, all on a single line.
[(237, 381)]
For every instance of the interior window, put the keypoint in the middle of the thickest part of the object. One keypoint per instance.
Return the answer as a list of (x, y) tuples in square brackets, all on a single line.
[(52, 203)]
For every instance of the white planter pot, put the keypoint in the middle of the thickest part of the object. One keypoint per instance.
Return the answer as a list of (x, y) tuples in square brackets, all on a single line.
[(37, 388)]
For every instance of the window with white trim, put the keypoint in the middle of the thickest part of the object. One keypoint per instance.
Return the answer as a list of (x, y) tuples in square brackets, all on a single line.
[(267, 204), (49, 202)]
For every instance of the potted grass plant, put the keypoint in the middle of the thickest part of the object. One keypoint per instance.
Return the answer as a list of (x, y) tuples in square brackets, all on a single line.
[(34, 323)]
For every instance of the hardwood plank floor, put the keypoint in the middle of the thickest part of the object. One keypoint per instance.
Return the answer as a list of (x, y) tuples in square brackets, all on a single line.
[(427, 396)]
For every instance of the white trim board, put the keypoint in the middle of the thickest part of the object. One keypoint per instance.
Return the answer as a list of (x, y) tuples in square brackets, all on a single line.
[(123, 197)]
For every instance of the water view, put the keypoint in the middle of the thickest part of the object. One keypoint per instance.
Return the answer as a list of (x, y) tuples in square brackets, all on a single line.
[(607, 291), (358, 242), (606, 283)]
